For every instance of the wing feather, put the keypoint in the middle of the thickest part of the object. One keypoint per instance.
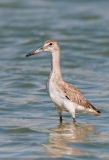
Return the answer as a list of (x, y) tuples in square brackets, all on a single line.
[(75, 95)]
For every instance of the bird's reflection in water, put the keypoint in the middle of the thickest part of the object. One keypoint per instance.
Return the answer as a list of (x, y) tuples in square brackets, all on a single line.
[(65, 134)]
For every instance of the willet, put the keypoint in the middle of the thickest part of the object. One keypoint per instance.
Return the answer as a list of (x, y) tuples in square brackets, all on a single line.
[(65, 96)]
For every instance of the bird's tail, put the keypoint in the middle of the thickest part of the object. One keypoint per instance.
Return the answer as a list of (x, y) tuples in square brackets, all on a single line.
[(97, 112)]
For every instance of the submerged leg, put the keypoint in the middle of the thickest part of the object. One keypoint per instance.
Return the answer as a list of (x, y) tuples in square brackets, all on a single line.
[(73, 116), (60, 118), (60, 113), (74, 120)]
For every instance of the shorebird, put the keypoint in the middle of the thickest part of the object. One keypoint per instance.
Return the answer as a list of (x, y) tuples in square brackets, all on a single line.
[(65, 96)]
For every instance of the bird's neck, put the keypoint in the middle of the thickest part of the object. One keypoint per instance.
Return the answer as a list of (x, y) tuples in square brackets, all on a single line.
[(55, 66)]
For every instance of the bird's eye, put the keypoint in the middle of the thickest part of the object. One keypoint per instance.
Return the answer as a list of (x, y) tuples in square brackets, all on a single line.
[(50, 44)]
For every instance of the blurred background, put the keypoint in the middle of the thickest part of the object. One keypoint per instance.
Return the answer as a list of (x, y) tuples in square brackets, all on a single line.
[(29, 123)]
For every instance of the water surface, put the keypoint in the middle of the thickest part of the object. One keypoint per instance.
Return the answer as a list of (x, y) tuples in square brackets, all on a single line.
[(29, 123)]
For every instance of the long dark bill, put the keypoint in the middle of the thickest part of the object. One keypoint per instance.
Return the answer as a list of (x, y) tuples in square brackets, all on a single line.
[(35, 52)]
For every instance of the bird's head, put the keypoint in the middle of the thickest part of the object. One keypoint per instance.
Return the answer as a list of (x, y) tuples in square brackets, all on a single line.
[(50, 45)]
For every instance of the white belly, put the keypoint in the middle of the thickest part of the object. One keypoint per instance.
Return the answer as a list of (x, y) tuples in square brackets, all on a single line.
[(55, 95), (59, 98)]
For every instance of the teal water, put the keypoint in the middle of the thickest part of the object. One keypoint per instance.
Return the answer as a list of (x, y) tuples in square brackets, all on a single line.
[(29, 123)]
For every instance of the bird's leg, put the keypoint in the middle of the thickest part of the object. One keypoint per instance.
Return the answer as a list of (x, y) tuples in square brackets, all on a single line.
[(60, 118), (73, 116), (60, 113), (74, 120)]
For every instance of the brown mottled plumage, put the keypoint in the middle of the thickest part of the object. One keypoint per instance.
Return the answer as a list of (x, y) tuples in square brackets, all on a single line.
[(65, 96), (77, 95)]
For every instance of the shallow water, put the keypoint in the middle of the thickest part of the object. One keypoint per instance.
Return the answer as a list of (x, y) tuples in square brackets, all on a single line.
[(29, 123)]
